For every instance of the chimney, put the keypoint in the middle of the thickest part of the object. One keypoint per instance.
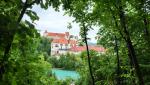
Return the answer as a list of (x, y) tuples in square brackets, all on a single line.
[(67, 34), (45, 31)]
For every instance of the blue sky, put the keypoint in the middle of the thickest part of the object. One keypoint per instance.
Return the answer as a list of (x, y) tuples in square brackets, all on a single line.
[(53, 21)]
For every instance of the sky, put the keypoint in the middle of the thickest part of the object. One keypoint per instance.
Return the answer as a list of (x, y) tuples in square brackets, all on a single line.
[(53, 21)]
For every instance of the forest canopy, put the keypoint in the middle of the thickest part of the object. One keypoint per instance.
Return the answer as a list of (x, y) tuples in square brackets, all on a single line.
[(123, 30)]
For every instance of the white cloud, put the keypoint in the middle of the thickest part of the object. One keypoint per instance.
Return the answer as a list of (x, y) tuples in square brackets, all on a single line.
[(53, 21)]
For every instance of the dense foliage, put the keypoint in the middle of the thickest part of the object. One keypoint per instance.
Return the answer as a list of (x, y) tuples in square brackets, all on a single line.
[(23, 59), (126, 19), (66, 61), (22, 56), (25, 65)]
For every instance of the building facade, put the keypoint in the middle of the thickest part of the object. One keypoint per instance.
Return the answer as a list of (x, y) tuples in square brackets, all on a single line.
[(61, 42)]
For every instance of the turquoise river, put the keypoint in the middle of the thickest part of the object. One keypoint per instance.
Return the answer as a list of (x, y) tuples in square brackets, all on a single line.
[(64, 74)]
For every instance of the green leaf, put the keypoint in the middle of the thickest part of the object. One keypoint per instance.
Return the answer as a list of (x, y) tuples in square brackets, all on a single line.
[(33, 16)]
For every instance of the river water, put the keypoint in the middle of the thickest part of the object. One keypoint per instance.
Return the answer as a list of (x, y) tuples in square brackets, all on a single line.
[(64, 74)]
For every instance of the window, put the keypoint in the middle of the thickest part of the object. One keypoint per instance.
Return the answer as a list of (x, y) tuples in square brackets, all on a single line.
[(57, 52), (66, 45), (61, 46), (56, 45)]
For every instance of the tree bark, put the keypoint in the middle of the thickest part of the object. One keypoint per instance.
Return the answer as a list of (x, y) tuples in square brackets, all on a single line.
[(131, 49), (118, 62), (88, 54), (130, 57)]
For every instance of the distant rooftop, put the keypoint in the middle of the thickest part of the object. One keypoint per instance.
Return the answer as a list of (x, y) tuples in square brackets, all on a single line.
[(83, 48), (56, 34)]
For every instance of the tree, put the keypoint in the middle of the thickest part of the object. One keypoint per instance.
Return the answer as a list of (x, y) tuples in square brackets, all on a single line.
[(45, 47), (117, 18)]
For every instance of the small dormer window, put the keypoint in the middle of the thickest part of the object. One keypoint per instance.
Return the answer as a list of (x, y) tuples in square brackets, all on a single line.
[(76, 37), (56, 45)]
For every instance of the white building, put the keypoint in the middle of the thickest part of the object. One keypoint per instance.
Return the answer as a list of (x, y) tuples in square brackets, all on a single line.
[(61, 42)]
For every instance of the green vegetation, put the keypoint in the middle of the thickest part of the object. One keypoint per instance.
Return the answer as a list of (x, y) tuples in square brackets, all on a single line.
[(25, 65), (68, 62), (103, 68), (45, 47), (25, 56)]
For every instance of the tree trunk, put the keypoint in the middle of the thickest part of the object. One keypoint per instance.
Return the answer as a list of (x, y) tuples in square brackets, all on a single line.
[(118, 62), (88, 54), (131, 50), (11, 38), (130, 57)]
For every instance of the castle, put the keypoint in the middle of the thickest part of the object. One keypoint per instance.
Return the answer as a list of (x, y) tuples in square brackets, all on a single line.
[(65, 42)]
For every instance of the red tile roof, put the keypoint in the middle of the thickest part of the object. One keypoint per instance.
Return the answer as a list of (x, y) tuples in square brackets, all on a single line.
[(83, 48), (64, 41), (56, 34), (52, 34), (61, 38)]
